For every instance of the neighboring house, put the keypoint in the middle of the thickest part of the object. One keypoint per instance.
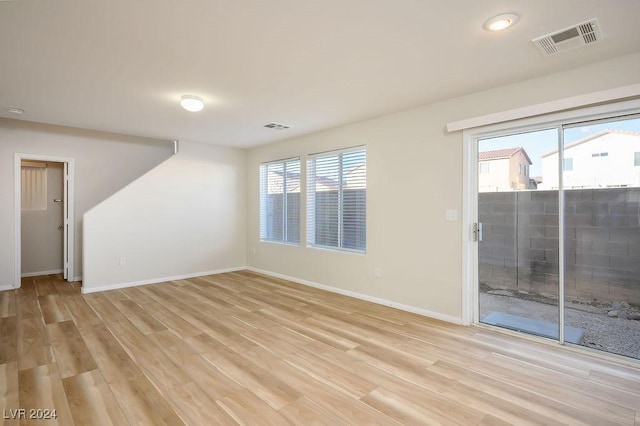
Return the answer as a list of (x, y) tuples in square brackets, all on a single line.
[(610, 158), (535, 182), (503, 170), (275, 182)]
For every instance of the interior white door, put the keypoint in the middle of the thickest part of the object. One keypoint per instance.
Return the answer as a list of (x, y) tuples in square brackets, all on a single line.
[(65, 223)]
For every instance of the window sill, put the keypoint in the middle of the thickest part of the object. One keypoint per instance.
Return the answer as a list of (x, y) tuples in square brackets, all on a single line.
[(280, 243), (337, 249)]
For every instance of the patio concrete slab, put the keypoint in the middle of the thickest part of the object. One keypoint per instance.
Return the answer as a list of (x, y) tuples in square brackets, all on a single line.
[(533, 326)]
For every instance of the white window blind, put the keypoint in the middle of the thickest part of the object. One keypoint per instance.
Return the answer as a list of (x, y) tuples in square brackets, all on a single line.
[(337, 199), (280, 201), (34, 186)]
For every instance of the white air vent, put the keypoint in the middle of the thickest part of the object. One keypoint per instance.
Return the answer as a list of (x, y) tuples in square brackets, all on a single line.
[(277, 126), (578, 35)]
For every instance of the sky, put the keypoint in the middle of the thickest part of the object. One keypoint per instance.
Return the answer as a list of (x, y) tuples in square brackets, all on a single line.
[(542, 141)]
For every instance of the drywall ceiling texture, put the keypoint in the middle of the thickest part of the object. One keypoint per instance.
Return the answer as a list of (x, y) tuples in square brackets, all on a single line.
[(122, 65), (186, 217), (104, 163), (414, 174)]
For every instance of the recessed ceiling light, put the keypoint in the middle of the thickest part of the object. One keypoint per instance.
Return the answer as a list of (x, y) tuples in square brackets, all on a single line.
[(192, 103), (501, 22), (14, 110)]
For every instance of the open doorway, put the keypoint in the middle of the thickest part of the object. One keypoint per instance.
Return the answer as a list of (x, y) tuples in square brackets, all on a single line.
[(44, 216)]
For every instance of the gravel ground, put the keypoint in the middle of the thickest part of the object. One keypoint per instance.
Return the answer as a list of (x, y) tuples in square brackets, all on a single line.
[(617, 335)]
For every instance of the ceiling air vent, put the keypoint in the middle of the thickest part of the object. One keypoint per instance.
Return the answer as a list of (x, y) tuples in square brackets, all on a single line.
[(277, 126), (576, 36)]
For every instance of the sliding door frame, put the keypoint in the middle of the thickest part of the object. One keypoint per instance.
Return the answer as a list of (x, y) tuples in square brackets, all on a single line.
[(470, 293)]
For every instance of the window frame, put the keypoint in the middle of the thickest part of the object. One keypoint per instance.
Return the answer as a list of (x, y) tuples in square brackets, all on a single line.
[(263, 201), (310, 206)]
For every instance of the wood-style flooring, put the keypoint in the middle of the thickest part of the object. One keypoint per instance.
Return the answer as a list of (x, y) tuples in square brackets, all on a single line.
[(243, 348)]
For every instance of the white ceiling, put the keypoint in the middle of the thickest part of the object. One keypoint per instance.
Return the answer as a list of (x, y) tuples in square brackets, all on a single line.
[(122, 65)]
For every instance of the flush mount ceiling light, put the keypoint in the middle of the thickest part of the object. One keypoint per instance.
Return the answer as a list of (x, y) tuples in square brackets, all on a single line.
[(14, 110), (192, 103), (501, 22)]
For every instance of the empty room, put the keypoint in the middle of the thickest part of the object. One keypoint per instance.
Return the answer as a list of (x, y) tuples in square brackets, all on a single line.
[(340, 212)]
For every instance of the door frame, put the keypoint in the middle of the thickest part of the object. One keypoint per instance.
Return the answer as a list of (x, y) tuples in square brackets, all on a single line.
[(470, 185), (69, 220)]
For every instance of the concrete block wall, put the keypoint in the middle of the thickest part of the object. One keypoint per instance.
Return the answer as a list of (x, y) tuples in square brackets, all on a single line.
[(520, 245)]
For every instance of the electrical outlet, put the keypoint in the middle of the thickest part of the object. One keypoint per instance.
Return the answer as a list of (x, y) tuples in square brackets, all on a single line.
[(377, 272), (123, 261)]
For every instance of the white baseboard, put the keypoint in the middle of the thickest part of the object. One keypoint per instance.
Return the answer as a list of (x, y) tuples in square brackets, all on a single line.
[(86, 290), (6, 287), (368, 298), (37, 274), (373, 299)]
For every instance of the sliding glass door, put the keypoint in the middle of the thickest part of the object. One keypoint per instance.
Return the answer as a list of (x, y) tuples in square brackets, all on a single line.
[(518, 244), (558, 233), (601, 182)]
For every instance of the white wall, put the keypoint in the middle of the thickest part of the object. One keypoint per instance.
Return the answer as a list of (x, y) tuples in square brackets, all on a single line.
[(414, 174), (104, 163), (185, 217)]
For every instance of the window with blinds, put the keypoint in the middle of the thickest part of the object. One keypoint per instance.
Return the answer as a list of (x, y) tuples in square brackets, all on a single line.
[(280, 201), (337, 199)]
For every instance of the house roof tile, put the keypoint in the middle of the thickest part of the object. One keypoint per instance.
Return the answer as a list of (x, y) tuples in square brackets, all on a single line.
[(502, 153)]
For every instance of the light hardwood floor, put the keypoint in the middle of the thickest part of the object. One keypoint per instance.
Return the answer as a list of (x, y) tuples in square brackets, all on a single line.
[(250, 349)]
